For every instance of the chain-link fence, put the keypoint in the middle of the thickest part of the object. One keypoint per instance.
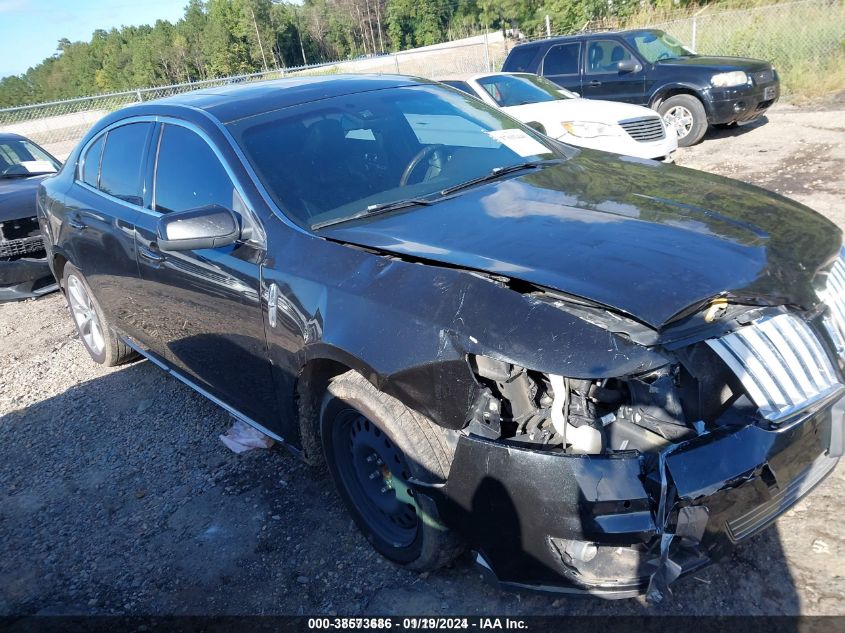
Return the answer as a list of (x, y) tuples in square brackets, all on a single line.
[(805, 40), (58, 126)]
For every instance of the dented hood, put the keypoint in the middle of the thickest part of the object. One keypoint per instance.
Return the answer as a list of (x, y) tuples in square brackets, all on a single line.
[(644, 238)]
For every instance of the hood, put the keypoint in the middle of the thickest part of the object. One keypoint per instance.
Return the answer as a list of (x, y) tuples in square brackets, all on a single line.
[(579, 110), (17, 197), (719, 64), (644, 238)]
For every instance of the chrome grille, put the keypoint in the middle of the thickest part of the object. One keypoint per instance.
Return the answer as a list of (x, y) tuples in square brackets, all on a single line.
[(781, 364), (644, 129), (747, 524), (24, 246), (834, 296)]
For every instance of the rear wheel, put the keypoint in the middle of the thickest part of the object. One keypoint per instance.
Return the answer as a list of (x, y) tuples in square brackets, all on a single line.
[(685, 114), (104, 346), (374, 445)]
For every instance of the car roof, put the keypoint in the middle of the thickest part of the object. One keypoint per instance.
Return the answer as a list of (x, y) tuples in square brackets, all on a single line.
[(231, 102), (578, 36), (9, 136)]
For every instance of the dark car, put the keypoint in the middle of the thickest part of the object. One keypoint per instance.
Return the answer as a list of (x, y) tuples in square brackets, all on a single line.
[(650, 67), (24, 271), (560, 359)]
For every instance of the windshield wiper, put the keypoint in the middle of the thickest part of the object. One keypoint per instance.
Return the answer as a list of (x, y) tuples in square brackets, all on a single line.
[(376, 209), (498, 172)]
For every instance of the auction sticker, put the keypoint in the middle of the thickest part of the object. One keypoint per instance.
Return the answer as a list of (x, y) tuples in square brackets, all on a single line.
[(518, 141)]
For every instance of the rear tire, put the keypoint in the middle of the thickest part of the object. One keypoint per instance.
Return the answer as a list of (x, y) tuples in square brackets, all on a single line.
[(373, 444), (685, 114), (102, 343)]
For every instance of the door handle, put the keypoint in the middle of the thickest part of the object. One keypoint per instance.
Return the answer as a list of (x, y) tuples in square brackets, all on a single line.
[(151, 256), (272, 304), (76, 223), (595, 83)]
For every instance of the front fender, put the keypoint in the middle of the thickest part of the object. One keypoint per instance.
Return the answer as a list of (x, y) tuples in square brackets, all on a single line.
[(409, 328)]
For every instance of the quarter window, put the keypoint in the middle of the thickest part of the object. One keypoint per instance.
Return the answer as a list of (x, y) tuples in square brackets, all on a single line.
[(562, 59), (189, 174), (121, 171), (91, 163), (603, 56)]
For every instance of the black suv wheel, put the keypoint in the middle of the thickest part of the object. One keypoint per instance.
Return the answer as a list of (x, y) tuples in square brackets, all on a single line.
[(685, 114)]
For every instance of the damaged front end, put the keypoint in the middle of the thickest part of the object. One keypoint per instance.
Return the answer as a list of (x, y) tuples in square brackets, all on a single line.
[(24, 271), (617, 485)]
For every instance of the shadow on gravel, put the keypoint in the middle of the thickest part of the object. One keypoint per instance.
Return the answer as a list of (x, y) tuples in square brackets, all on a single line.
[(714, 133), (117, 497)]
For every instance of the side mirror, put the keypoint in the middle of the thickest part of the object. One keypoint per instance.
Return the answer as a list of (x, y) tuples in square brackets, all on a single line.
[(211, 226), (628, 66)]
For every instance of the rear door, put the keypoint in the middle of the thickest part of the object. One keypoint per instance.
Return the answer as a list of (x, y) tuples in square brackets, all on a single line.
[(102, 206), (561, 64), (602, 78), (203, 307)]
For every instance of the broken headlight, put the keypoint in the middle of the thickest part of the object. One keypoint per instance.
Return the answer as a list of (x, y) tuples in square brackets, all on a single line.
[(587, 416)]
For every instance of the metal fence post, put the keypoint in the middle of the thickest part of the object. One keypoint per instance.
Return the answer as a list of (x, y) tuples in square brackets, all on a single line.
[(139, 95), (487, 51), (548, 26), (396, 61)]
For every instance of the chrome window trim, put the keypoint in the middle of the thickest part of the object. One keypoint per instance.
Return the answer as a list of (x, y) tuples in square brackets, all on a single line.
[(193, 127)]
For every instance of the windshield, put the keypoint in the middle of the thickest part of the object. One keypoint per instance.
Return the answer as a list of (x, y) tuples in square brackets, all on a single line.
[(338, 157), (514, 90), (19, 157), (656, 46)]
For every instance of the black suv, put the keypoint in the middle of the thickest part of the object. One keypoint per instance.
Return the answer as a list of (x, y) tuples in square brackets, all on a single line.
[(650, 67)]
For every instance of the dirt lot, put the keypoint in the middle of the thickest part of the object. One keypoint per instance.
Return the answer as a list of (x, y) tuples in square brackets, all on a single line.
[(117, 497)]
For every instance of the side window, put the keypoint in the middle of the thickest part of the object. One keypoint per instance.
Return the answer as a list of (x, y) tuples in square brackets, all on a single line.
[(91, 162), (121, 168), (604, 55), (520, 59), (188, 173), (562, 59)]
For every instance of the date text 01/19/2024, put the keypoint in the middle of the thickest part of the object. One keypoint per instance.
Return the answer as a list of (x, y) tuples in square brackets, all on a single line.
[(417, 623)]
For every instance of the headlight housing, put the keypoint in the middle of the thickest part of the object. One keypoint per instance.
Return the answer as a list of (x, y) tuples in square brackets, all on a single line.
[(727, 80), (589, 129)]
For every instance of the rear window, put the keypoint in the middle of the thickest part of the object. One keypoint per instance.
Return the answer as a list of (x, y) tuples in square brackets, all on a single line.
[(520, 59), (120, 173)]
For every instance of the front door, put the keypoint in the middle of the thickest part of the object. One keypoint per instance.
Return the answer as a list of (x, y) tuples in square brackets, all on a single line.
[(204, 305), (604, 80)]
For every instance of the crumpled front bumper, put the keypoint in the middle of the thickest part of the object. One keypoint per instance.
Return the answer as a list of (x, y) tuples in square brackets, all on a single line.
[(530, 514), (25, 278)]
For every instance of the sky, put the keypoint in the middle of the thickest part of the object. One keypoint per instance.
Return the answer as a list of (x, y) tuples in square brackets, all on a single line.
[(30, 29)]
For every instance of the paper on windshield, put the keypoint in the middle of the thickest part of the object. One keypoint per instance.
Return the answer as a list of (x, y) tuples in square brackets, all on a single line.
[(38, 166), (519, 142)]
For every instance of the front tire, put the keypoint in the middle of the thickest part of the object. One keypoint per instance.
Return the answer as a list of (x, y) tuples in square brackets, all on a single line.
[(373, 445), (102, 343), (685, 114)]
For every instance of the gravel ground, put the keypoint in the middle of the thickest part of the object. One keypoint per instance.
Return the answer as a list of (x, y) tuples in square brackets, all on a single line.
[(116, 495)]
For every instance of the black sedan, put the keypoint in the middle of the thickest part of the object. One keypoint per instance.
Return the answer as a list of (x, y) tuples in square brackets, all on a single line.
[(594, 372), (24, 271)]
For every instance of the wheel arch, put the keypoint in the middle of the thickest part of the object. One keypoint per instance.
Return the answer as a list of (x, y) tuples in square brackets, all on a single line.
[(672, 90), (312, 381)]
